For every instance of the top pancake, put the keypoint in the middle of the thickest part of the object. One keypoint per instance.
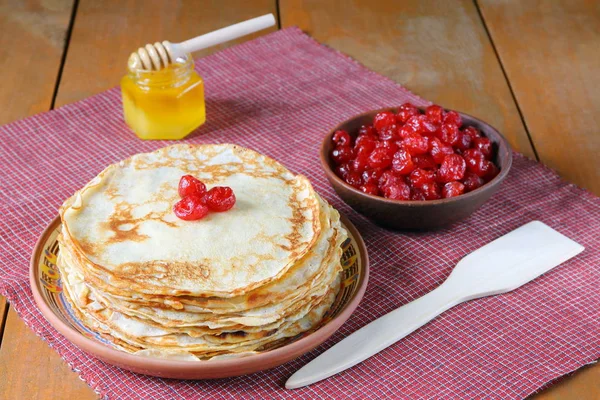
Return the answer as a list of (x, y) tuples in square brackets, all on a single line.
[(123, 226)]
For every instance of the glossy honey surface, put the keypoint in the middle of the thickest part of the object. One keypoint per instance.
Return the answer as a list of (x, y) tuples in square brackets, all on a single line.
[(166, 104)]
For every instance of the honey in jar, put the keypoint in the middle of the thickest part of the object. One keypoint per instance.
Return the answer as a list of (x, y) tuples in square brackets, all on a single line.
[(165, 104)]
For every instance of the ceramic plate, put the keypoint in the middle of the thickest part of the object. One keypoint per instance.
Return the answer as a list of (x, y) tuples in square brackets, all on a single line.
[(47, 291)]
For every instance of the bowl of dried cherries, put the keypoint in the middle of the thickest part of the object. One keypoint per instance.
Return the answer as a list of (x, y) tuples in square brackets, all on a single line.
[(411, 168)]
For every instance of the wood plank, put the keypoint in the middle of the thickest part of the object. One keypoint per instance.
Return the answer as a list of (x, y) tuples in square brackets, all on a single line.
[(3, 305), (105, 33), (583, 385), (439, 50), (32, 40), (549, 50), (32, 36), (31, 370), (3, 310)]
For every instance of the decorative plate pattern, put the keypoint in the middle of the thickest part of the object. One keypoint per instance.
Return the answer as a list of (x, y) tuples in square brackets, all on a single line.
[(47, 288)]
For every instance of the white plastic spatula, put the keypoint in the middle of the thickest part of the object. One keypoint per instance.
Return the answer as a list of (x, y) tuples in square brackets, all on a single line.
[(498, 267)]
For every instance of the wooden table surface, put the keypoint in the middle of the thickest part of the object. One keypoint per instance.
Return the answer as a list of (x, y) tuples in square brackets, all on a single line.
[(530, 68)]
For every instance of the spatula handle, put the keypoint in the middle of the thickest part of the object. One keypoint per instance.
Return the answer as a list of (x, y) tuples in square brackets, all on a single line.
[(377, 335)]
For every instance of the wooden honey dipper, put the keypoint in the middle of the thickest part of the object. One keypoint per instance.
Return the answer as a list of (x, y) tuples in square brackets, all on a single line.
[(154, 57)]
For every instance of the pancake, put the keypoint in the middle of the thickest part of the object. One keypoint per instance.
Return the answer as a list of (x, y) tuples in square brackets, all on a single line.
[(122, 223), (228, 285), (139, 335), (304, 272), (252, 317)]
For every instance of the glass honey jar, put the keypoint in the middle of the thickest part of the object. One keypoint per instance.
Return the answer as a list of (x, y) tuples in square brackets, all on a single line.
[(166, 104)]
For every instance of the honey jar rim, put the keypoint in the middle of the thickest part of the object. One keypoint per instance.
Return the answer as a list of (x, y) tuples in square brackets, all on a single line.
[(175, 74)]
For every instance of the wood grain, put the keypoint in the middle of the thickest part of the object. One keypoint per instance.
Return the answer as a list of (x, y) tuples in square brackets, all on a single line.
[(439, 50), (32, 36), (582, 385), (549, 50), (105, 33), (3, 309), (32, 370), (32, 41)]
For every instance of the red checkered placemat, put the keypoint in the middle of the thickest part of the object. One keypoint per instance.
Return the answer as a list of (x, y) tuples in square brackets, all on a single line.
[(279, 94)]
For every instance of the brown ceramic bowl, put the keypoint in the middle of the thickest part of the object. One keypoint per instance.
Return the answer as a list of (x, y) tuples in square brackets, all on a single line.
[(45, 285), (416, 215)]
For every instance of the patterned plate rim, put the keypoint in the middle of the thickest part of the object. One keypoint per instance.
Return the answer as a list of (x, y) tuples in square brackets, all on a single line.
[(193, 369)]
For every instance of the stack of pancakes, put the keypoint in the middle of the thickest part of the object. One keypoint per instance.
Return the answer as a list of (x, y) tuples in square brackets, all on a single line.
[(229, 284)]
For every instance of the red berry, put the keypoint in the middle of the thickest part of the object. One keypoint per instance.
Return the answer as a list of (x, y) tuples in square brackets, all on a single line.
[(417, 195), (464, 141), (365, 146), (426, 127), (472, 132), (449, 134), (364, 151), (367, 130), (414, 123), (353, 178), (365, 140), (491, 172), (342, 139), (342, 170), (402, 163), (190, 208), (380, 158), (484, 145), (452, 189), (342, 155), (416, 144), (476, 162), (190, 186), (431, 191), (383, 119), (419, 177), (406, 111), (387, 178), (471, 181), (439, 150), (398, 190), (406, 131), (389, 132), (452, 117), (220, 198), (370, 188), (372, 176), (452, 169), (434, 114), (390, 146), (360, 163), (424, 161)]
